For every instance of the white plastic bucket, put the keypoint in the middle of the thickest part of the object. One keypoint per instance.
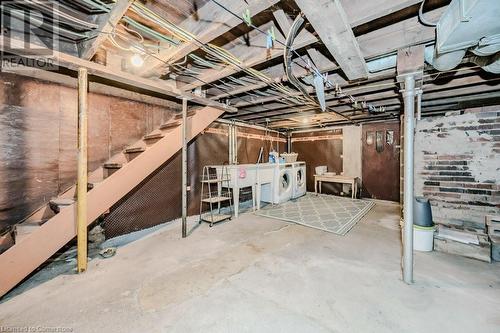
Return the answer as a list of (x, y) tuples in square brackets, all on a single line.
[(423, 238)]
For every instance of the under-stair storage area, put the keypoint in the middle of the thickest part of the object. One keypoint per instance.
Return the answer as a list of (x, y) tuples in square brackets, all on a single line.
[(250, 166)]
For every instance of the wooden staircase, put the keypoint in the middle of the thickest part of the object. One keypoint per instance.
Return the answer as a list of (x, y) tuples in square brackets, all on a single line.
[(53, 226)]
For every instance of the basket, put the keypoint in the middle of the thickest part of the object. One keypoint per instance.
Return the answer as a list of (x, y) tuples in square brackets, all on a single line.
[(290, 157)]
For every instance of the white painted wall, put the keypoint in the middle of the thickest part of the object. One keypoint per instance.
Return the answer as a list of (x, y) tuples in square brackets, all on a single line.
[(351, 152), (351, 147)]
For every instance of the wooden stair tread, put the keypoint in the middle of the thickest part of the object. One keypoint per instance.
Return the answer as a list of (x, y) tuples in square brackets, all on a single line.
[(112, 165), (189, 114), (134, 150), (61, 202), (26, 228), (154, 136), (170, 125), (91, 185)]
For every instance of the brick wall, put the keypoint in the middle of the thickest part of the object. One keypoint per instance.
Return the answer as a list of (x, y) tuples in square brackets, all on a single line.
[(457, 165)]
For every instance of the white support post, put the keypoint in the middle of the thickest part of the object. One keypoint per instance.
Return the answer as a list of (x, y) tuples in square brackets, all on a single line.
[(409, 124), (289, 142), (184, 167), (235, 144)]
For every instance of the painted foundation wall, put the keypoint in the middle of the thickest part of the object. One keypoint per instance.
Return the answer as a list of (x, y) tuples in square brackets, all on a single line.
[(341, 155), (38, 132), (158, 199), (316, 149), (457, 165)]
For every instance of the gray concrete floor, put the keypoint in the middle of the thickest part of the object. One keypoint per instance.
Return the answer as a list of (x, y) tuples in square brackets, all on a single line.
[(255, 274)]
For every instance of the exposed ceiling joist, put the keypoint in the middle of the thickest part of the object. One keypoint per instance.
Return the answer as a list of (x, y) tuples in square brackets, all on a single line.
[(399, 35), (347, 89), (405, 32), (362, 11), (210, 22), (470, 83), (251, 56), (285, 23), (107, 22), (393, 101), (332, 25), (73, 63)]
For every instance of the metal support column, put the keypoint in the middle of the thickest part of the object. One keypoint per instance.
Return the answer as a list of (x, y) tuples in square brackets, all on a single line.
[(289, 142), (419, 103), (235, 144), (409, 124), (81, 206), (184, 167), (230, 142)]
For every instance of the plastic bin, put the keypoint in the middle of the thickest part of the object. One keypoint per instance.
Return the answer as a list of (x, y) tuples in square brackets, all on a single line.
[(423, 238), (422, 214)]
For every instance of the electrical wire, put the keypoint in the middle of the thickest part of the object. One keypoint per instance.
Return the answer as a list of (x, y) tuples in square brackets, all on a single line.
[(423, 20)]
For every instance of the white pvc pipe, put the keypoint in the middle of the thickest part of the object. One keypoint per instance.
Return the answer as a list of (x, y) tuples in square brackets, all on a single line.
[(419, 104), (230, 142), (235, 145), (184, 167), (409, 123), (289, 143)]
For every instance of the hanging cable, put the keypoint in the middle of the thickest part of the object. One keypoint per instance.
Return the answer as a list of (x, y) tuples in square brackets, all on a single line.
[(294, 29), (423, 20)]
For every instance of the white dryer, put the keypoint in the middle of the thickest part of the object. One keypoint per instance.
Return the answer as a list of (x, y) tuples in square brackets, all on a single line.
[(299, 179), (281, 189)]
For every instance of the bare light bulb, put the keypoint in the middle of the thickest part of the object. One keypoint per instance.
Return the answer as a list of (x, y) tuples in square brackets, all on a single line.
[(136, 60)]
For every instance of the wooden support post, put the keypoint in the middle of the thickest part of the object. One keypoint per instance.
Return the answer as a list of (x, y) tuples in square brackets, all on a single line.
[(184, 167), (82, 171)]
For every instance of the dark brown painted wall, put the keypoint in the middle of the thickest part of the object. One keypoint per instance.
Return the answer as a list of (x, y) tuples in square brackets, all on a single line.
[(158, 199), (38, 139), (381, 165), (320, 152)]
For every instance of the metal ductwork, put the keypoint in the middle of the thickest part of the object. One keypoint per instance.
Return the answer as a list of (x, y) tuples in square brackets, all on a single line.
[(467, 26)]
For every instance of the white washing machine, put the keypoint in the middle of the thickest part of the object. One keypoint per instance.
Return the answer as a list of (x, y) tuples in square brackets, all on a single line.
[(299, 179), (281, 189)]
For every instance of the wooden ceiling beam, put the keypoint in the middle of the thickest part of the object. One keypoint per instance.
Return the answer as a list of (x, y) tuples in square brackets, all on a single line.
[(106, 22), (210, 22), (73, 63), (330, 21), (250, 57), (379, 42), (432, 100), (432, 91), (361, 11)]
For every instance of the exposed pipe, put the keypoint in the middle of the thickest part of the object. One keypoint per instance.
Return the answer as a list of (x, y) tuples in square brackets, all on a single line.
[(184, 167), (423, 20), (294, 29), (419, 104), (289, 142), (241, 124), (230, 142), (409, 123), (235, 145), (81, 205)]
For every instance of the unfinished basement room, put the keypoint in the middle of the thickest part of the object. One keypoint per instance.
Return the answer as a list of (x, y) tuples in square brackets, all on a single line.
[(250, 166)]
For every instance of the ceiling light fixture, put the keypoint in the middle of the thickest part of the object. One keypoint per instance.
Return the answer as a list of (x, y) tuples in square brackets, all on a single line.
[(136, 60)]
